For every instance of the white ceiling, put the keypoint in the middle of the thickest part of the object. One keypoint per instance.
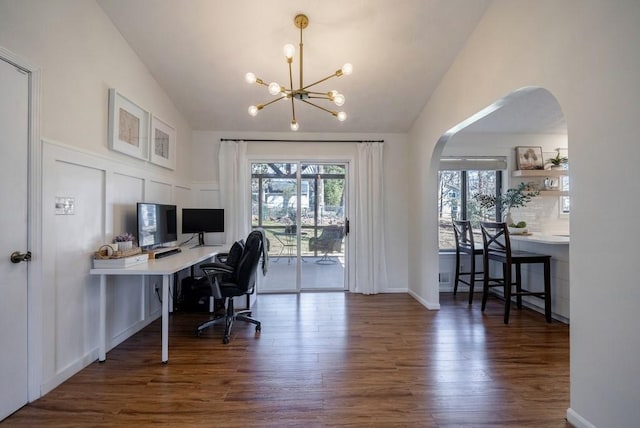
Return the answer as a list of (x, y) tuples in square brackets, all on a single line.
[(200, 50)]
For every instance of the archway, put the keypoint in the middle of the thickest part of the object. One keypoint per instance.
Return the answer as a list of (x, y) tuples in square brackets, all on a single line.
[(484, 145)]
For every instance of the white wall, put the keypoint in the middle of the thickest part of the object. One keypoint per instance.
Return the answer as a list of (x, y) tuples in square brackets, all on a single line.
[(205, 150), (81, 55), (585, 53)]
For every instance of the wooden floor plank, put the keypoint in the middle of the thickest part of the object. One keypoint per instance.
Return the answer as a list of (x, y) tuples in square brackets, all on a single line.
[(328, 359)]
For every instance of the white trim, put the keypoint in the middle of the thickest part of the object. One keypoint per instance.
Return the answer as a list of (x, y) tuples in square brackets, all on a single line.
[(70, 370), (348, 161), (578, 421), (429, 305)]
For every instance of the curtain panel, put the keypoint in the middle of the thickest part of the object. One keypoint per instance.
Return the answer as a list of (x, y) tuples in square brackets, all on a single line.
[(234, 189), (370, 249)]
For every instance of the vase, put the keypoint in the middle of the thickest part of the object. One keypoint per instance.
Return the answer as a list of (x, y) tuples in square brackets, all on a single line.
[(508, 219), (125, 245)]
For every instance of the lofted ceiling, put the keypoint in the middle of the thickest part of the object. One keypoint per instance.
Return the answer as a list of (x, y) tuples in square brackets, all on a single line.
[(200, 50)]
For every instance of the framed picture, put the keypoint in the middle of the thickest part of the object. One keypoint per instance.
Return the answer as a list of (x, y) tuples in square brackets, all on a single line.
[(163, 143), (128, 126), (529, 158)]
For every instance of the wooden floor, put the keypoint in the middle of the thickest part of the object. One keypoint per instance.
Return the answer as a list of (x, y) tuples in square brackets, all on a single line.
[(328, 359)]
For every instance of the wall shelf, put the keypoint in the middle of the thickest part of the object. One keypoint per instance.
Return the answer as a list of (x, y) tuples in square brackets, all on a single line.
[(540, 172), (554, 193)]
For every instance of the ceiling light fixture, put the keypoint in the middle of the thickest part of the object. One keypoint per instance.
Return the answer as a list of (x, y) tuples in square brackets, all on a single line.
[(303, 93)]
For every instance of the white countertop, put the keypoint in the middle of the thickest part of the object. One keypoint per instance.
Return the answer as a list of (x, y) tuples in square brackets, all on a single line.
[(166, 265), (541, 238)]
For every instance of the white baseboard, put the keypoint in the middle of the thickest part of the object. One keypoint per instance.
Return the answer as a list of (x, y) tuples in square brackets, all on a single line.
[(88, 358), (429, 305), (578, 421), (68, 371)]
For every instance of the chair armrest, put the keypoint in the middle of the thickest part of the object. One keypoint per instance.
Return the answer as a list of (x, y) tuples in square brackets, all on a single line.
[(213, 271), (216, 268), (221, 257)]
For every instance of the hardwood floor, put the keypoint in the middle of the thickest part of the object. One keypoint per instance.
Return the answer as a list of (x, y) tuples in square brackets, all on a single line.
[(328, 359)]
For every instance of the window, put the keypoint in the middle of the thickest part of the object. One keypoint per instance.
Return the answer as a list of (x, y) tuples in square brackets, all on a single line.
[(458, 180)]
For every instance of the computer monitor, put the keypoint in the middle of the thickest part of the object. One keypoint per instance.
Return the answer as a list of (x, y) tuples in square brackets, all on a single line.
[(202, 220), (157, 224)]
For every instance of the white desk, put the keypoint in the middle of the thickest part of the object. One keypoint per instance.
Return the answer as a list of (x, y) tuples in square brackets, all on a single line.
[(166, 267)]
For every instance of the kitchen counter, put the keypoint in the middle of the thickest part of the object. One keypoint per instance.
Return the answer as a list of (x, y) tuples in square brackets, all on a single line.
[(541, 238), (557, 246)]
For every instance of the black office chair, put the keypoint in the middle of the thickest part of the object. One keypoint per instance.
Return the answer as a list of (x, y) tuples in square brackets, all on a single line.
[(465, 245), (236, 277), (497, 247)]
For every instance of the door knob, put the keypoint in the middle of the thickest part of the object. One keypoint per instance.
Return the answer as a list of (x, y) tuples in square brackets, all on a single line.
[(17, 257)]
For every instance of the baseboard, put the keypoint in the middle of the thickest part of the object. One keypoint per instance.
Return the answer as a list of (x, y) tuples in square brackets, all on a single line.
[(68, 371), (429, 305), (88, 358), (578, 421)]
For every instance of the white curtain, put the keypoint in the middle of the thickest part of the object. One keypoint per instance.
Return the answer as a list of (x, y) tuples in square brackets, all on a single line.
[(370, 248), (234, 189)]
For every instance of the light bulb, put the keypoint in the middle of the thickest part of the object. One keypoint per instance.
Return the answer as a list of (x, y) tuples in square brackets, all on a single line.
[(289, 50), (342, 116), (253, 110), (294, 125), (250, 78), (274, 88), (339, 99), (347, 69)]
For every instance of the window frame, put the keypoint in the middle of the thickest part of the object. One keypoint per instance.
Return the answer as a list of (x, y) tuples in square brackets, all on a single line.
[(464, 165)]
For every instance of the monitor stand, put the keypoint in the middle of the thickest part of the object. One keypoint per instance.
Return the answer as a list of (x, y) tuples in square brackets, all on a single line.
[(201, 239)]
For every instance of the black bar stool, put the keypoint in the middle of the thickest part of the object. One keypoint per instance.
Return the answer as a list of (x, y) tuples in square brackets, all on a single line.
[(465, 245), (497, 247)]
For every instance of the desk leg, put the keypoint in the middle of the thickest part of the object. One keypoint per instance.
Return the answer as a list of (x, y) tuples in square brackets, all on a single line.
[(165, 319), (102, 330)]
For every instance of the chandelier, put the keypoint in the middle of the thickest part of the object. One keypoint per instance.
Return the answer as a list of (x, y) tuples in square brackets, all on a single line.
[(303, 93)]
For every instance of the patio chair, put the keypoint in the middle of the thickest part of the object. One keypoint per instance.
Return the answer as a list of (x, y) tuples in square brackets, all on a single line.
[(329, 241)]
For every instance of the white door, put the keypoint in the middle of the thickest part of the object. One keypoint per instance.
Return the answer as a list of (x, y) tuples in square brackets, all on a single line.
[(14, 137)]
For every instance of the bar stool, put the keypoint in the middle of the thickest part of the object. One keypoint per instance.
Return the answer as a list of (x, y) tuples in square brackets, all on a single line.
[(497, 247), (465, 245)]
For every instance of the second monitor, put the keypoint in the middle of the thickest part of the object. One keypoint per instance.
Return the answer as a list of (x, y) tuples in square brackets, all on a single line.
[(202, 220)]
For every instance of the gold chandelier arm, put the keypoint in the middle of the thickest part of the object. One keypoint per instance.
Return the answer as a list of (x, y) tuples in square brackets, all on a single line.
[(333, 113), (293, 107), (322, 80), (271, 102), (322, 95)]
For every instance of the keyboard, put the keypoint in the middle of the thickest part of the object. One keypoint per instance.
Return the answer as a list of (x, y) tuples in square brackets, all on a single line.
[(168, 253)]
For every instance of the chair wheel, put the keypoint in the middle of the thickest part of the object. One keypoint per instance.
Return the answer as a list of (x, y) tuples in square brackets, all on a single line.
[(258, 328), (225, 340), (198, 332)]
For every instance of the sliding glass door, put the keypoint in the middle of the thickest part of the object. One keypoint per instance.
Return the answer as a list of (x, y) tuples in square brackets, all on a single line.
[(302, 207)]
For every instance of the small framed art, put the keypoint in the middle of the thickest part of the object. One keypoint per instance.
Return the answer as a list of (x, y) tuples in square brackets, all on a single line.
[(163, 143), (529, 158), (128, 126)]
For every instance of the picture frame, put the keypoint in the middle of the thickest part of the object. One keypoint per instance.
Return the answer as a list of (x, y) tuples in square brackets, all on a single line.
[(162, 150), (529, 157), (128, 126)]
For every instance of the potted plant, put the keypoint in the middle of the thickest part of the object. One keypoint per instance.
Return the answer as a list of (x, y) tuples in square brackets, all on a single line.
[(516, 197), (558, 162), (124, 241)]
